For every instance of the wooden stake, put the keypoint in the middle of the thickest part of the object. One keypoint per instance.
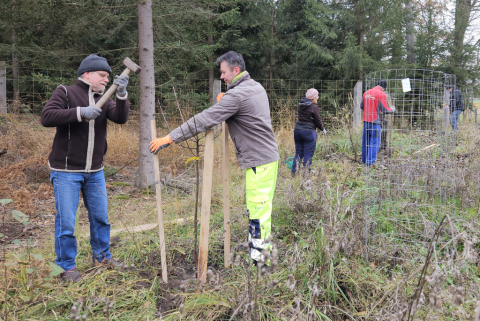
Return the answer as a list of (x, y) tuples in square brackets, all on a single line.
[(446, 118), (390, 134), (424, 149), (146, 227), (226, 195), (205, 211), (158, 191)]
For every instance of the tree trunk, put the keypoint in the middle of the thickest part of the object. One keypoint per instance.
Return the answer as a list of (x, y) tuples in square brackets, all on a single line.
[(210, 73), (463, 10), (271, 53), (361, 34), (410, 30), (16, 95), (3, 88), (146, 175)]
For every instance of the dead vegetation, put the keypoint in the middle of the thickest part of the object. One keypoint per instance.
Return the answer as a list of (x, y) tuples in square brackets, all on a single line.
[(319, 225)]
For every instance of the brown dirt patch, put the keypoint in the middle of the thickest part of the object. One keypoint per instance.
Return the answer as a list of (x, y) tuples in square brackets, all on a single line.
[(168, 300), (11, 231), (38, 173)]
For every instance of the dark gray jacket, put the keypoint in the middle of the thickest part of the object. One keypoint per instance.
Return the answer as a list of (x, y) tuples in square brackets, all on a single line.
[(456, 100), (308, 115), (246, 111)]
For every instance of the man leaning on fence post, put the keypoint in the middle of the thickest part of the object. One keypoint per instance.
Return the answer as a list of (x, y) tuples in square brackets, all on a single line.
[(76, 159), (245, 109), (374, 103)]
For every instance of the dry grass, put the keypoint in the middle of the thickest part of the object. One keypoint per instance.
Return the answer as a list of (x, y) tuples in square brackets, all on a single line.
[(23, 137), (319, 232), (122, 143), (23, 169)]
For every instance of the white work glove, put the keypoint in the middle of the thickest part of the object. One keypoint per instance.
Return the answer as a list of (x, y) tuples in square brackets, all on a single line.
[(393, 108), (90, 112), (122, 82), (324, 132)]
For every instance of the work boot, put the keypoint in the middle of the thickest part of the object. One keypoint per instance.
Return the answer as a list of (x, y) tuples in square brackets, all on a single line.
[(263, 269), (71, 276), (110, 263)]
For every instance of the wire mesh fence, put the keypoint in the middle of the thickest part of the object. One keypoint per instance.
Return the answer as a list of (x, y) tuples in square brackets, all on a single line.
[(36, 85), (411, 185)]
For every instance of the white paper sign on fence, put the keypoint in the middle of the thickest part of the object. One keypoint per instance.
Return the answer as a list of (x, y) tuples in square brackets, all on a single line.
[(406, 85)]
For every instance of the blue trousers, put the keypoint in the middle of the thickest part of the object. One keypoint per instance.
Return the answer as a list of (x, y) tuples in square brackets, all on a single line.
[(371, 140), (67, 187), (454, 119), (305, 143)]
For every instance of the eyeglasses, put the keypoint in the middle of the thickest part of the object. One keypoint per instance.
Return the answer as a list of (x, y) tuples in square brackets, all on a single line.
[(102, 74)]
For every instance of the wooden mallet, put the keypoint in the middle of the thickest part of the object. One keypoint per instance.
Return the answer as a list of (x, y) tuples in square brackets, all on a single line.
[(131, 66)]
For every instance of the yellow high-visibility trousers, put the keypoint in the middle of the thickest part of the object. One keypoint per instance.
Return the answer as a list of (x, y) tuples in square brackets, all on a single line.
[(260, 188)]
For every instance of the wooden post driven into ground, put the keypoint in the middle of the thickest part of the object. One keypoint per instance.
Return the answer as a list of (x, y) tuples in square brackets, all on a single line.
[(3, 88), (357, 99), (206, 202), (476, 107), (158, 191), (446, 118), (389, 118), (226, 195), (217, 89), (389, 134)]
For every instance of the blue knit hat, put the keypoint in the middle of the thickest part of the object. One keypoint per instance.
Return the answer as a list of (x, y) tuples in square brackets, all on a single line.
[(94, 63)]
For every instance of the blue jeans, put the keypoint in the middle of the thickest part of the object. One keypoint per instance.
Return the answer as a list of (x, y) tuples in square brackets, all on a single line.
[(453, 119), (305, 143), (67, 187), (371, 139)]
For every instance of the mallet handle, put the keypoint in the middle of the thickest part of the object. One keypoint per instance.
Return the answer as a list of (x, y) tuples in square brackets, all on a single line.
[(110, 91)]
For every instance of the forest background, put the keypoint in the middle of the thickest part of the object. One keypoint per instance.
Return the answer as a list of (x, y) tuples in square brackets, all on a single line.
[(43, 41)]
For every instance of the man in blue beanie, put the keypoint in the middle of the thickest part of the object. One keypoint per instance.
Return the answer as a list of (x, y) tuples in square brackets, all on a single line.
[(76, 159)]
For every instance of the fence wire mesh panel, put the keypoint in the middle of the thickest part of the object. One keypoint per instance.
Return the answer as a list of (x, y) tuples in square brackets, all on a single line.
[(335, 98), (411, 185), (284, 96), (34, 86)]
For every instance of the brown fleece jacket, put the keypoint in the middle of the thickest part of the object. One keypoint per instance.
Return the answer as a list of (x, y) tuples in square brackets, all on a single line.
[(80, 146)]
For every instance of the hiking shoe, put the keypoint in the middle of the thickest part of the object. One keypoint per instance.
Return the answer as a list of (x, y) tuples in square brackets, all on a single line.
[(110, 263), (71, 276)]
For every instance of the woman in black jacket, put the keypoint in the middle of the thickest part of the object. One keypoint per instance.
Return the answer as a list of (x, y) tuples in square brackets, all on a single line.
[(305, 134)]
